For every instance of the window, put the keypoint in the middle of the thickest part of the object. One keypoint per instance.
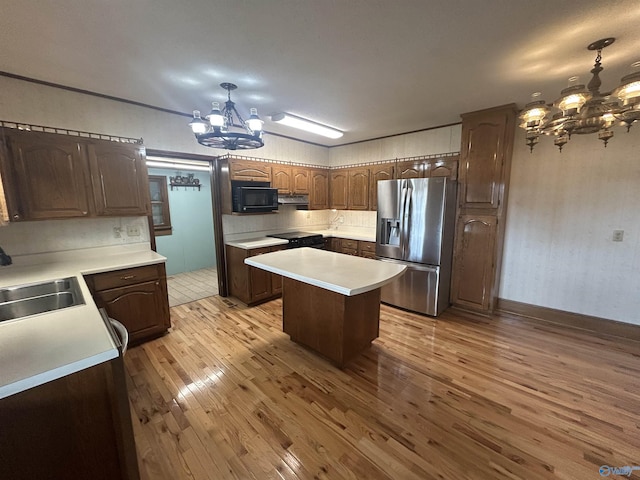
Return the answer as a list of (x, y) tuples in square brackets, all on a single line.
[(160, 205)]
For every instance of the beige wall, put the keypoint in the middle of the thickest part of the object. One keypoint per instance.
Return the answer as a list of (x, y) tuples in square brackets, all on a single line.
[(563, 208), (27, 102), (428, 142)]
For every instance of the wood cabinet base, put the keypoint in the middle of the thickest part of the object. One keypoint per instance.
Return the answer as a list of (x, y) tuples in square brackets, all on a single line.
[(78, 426), (336, 326)]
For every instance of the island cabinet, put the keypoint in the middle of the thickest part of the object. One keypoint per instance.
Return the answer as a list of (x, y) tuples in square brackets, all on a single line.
[(78, 426), (485, 164), (319, 189), (50, 176), (248, 284), (136, 297)]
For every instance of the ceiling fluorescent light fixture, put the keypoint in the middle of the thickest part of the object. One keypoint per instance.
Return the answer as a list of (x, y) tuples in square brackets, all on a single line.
[(306, 125), (177, 166)]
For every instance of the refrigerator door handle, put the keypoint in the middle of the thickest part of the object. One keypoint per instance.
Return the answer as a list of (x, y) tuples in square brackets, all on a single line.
[(403, 220), (406, 221)]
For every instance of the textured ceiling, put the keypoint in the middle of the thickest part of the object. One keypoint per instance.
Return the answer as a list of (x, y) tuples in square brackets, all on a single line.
[(369, 67)]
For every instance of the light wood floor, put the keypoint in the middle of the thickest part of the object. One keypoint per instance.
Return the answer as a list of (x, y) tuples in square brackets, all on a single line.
[(227, 395)]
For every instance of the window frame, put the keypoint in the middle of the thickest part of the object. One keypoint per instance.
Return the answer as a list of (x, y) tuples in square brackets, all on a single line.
[(163, 228)]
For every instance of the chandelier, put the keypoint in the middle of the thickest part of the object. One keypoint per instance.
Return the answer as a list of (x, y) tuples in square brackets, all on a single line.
[(225, 128), (581, 110)]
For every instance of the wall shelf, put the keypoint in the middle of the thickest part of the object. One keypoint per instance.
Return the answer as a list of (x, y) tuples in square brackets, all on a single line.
[(192, 185)]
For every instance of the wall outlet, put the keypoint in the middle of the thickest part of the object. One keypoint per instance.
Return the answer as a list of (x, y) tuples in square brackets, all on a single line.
[(133, 230), (117, 232), (618, 235)]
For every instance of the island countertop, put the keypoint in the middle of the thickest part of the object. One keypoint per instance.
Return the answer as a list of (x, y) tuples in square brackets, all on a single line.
[(344, 274)]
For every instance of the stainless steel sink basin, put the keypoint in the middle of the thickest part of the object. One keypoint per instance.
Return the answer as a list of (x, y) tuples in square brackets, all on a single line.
[(25, 300)]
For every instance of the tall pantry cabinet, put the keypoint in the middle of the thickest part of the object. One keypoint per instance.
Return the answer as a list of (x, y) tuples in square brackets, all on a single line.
[(485, 166)]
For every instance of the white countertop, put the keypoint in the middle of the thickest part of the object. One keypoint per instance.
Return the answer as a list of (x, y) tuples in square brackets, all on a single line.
[(44, 347), (344, 274), (259, 242)]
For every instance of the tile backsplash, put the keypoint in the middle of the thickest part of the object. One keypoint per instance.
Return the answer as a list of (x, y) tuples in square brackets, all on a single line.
[(26, 238), (238, 227)]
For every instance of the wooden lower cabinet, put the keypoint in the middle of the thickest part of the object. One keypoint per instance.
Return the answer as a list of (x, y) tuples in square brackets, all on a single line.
[(248, 284), (349, 247), (473, 263), (367, 249), (136, 297), (78, 426)]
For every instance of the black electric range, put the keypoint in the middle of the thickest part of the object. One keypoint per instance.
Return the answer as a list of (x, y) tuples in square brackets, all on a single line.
[(301, 239)]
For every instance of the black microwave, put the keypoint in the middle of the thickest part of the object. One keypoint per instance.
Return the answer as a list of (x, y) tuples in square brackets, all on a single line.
[(253, 197)]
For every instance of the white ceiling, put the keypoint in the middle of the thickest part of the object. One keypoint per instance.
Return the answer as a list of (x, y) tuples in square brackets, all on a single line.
[(369, 67)]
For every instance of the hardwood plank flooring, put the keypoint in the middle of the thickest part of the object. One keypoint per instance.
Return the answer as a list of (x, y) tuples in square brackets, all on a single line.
[(227, 395)]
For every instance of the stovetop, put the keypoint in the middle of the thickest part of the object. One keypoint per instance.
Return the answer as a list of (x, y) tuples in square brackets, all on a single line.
[(294, 235)]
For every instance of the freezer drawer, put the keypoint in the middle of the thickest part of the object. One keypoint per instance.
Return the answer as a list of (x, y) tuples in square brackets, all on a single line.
[(417, 290)]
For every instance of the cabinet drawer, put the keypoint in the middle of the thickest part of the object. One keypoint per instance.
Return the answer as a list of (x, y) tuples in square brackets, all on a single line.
[(124, 277), (258, 251), (369, 247), (350, 244)]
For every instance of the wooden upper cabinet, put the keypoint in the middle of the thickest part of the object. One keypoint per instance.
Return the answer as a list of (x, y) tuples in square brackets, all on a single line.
[(358, 184), (290, 180), (446, 167), (47, 176), (377, 173), (339, 189), (410, 169), (249, 171), (319, 189), (474, 261), (281, 178), (487, 139), (119, 179), (300, 177)]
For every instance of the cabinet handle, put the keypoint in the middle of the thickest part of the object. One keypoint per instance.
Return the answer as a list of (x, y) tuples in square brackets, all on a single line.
[(84, 213), (16, 216), (127, 277)]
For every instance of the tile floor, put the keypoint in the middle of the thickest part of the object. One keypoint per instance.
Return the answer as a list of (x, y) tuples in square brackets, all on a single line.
[(191, 286)]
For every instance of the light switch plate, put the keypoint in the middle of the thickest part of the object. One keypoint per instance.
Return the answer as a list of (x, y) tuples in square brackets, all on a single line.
[(618, 235)]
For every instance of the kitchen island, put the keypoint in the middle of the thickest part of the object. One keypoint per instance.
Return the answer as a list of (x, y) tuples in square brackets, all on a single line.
[(330, 301)]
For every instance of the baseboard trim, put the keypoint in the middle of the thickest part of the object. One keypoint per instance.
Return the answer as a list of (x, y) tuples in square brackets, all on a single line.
[(598, 325)]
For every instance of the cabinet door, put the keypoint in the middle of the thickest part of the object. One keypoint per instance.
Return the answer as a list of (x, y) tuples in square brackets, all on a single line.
[(410, 170), (319, 191), (249, 171), (259, 280), (281, 179), (447, 167), (377, 173), (276, 280), (300, 178), (142, 308), (339, 189), (51, 175), (119, 179), (484, 146), (358, 198), (473, 263)]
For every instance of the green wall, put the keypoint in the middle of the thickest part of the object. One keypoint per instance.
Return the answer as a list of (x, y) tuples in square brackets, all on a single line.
[(191, 245)]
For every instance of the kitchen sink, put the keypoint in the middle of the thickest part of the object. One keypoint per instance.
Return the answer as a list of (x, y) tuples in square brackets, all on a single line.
[(25, 300)]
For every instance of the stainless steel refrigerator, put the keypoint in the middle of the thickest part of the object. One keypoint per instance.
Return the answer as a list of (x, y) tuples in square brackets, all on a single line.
[(415, 226)]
